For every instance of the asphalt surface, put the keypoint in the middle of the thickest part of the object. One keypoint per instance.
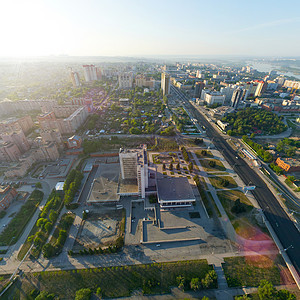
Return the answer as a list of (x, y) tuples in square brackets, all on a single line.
[(87, 186), (284, 228)]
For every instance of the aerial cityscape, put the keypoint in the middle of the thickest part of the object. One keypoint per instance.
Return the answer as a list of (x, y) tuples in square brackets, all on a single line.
[(151, 155)]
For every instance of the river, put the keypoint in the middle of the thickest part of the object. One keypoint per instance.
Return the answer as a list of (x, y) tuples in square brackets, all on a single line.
[(266, 67)]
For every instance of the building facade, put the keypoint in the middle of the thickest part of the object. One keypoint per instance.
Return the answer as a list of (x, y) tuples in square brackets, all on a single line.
[(125, 80), (165, 83), (75, 79), (7, 194)]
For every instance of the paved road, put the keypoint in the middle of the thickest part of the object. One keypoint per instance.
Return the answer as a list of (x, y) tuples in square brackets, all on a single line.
[(280, 222)]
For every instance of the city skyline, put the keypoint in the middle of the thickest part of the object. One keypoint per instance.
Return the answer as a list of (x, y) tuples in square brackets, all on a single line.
[(139, 28)]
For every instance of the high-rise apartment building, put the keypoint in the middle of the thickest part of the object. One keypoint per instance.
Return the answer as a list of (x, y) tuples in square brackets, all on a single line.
[(125, 80), (75, 79), (9, 151), (199, 86), (165, 83), (90, 73), (134, 166), (237, 96), (18, 138)]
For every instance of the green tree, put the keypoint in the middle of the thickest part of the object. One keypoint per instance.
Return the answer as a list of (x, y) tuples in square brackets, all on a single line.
[(44, 295), (291, 178), (53, 216), (178, 167), (48, 250), (38, 185), (244, 297), (180, 282), (48, 226), (171, 167), (40, 222), (83, 294), (163, 166), (190, 166), (195, 284), (285, 295), (99, 291), (230, 132), (212, 163), (266, 290)]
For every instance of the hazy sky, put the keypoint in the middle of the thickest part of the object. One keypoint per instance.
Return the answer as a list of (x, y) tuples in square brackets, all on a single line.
[(153, 27)]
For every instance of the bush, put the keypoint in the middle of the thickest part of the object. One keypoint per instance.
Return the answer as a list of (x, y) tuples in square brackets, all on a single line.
[(61, 237), (152, 199), (72, 205), (53, 216), (119, 242), (99, 291), (203, 152), (44, 295), (83, 294), (224, 182), (48, 250), (238, 207), (198, 141), (212, 163), (48, 226), (195, 284), (210, 280), (185, 154)]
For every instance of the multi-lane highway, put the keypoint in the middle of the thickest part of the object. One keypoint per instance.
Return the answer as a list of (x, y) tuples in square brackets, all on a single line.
[(284, 228)]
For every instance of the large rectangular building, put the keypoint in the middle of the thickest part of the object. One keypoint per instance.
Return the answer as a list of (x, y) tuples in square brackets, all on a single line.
[(175, 192)]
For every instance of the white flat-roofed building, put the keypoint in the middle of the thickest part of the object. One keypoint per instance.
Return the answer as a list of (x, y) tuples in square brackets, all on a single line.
[(175, 192), (214, 98)]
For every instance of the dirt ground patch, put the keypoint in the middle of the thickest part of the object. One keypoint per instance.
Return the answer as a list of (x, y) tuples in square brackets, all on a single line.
[(99, 229)]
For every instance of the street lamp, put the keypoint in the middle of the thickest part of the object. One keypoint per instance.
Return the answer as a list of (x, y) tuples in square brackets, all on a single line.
[(290, 246)]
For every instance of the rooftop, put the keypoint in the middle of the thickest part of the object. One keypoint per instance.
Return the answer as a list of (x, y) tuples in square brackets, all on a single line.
[(174, 189), (128, 186)]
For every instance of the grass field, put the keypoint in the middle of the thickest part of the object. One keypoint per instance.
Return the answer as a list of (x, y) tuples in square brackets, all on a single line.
[(245, 224), (207, 168), (216, 182), (114, 281), (214, 205), (203, 153), (249, 271), (16, 226)]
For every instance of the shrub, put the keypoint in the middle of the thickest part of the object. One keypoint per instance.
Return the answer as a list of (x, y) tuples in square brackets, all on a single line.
[(212, 163), (83, 294), (238, 207), (224, 182), (48, 250)]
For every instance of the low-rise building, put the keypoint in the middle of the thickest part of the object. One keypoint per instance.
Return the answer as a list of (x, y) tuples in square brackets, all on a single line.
[(288, 164), (74, 142), (7, 194), (174, 192), (213, 97)]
